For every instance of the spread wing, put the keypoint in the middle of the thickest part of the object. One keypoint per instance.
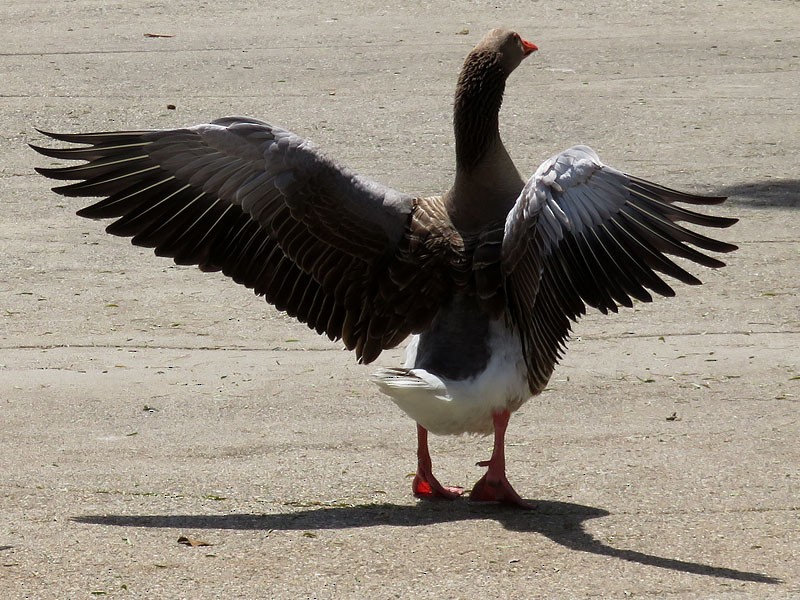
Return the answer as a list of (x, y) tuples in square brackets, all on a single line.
[(338, 252), (583, 233)]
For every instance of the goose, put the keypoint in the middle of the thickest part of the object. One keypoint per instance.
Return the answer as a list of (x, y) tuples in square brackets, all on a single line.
[(486, 279)]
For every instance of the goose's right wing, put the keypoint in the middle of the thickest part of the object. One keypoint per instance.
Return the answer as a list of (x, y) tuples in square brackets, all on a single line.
[(583, 233)]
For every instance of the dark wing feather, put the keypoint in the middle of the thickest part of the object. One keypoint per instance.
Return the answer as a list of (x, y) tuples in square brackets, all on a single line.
[(347, 256), (582, 233)]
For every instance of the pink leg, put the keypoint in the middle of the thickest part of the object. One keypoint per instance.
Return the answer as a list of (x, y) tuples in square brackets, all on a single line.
[(425, 484), (494, 485)]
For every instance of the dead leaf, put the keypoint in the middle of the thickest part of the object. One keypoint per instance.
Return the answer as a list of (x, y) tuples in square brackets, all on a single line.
[(193, 542)]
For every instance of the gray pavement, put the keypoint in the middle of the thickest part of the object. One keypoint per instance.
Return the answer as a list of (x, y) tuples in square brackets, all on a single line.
[(142, 402)]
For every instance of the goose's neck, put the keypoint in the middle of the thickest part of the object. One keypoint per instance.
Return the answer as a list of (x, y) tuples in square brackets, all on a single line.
[(487, 182), (479, 95)]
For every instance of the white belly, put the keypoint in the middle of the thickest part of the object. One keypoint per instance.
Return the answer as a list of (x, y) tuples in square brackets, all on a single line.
[(447, 406)]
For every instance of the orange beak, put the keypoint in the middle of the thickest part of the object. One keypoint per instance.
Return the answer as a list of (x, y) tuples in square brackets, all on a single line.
[(529, 47)]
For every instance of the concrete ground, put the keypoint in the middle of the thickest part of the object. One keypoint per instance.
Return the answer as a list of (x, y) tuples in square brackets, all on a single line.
[(142, 403)]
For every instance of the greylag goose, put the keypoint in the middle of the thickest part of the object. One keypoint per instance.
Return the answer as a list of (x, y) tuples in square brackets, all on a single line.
[(486, 278)]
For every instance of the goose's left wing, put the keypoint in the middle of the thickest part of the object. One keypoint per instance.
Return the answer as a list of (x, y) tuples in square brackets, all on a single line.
[(346, 255), (583, 233)]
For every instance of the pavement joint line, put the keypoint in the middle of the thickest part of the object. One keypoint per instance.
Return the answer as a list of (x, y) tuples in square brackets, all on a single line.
[(321, 48), (333, 504), (306, 349), (164, 347), (301, 504)]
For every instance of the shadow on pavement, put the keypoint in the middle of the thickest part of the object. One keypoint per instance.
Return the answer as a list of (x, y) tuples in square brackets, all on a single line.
[(559, 521), (770, 193)]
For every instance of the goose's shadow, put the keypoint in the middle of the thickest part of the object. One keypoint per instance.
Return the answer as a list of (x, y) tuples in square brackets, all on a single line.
[(561, 522), (769, 193)]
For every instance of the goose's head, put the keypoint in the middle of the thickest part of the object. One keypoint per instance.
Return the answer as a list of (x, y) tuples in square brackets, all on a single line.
[(509, 47)]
